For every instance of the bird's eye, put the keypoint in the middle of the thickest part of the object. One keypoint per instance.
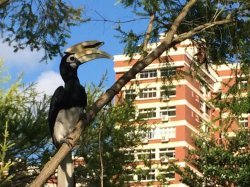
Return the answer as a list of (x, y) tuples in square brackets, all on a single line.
[(71, 59)]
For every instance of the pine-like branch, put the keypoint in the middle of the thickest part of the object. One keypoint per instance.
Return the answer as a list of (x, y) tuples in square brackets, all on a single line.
[(200, 29)]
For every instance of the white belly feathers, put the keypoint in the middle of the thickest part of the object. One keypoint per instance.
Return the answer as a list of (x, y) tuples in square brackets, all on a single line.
[(65, 123)]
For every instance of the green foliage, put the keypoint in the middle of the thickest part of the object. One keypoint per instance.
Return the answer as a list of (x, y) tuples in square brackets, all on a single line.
[(236, 100), (28, 131), (38, 24), (118, 132), (224, 43), (27, 123), (220, 164), (5, 165), (131, 41), (219, 161)]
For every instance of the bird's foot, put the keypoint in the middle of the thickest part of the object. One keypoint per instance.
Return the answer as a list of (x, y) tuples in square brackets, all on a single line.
[(67, 141), (83, 117)]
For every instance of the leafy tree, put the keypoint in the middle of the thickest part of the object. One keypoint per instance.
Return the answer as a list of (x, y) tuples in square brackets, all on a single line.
[(102, 145), (38, 24), (221, 157), (27, 136), (206, 24), (27, 146), (219, 164)]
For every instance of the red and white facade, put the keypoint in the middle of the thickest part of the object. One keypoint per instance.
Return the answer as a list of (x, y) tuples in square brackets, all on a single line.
[(174, 114)]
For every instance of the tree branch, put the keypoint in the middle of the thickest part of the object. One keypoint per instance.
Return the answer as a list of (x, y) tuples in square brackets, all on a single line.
[(177, 22), (103, 19), (149, 30), (100, 147), (51, 166), (3, 3), (199, 29)]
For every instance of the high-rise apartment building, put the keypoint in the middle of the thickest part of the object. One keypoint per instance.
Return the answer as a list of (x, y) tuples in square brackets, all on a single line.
[(172, 94)]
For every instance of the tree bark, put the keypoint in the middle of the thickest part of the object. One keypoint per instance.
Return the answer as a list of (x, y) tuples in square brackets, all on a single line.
[(3, 3), (101, 154), (149, 30)]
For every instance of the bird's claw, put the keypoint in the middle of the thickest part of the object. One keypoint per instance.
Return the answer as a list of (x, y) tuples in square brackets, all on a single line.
[(67, 141)]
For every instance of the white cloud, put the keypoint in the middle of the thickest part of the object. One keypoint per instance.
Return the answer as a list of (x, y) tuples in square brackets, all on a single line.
[(21, 58), (48, 82)]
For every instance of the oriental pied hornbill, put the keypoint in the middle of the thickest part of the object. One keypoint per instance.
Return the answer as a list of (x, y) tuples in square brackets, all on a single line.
[(68, 102)]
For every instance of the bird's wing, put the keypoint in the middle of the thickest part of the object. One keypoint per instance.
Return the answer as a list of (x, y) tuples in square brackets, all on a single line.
[(55, 103), (84, 99)]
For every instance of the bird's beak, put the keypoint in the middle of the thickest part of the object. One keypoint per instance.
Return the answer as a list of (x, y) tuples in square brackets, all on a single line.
[(91, 54), (86, 51)]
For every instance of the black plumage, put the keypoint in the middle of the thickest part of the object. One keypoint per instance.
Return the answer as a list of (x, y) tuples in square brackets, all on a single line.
[(68, 102), (70, 98)]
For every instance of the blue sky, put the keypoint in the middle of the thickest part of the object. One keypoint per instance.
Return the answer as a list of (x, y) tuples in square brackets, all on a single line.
[(47, 75)]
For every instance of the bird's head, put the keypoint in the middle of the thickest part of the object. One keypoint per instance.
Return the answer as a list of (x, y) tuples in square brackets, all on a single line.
[(83, 52), (79, 54)]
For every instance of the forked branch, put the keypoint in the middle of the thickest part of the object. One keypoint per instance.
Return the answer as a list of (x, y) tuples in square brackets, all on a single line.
[(200, 29)]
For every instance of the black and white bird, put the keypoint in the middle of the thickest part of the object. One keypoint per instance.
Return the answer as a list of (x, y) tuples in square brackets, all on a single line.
[(68, 103)]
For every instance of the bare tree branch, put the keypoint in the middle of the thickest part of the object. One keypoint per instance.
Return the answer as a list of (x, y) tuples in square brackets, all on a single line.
[(3, 3), (149, 30), (52, 165), (200, 29), (100, 147), (177, 22), (103, 19), (118, 22)]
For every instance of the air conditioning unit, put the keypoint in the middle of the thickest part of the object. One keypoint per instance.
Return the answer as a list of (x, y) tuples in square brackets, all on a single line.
[(165, 98), (165, 118), (145, 141), (217, 87), (164, 159), (164, 139)]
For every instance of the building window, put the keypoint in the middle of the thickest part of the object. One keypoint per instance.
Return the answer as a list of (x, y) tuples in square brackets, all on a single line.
[(204, 108), (208, 110), (129, 176), (204, 90), (168, 91), (147, 93), (148, 112), (243, 85), (167, 153), (130, 95), (147, 175), (145, 154), (168, 132), (202, 104), (168, 111), (130, 156), (243, 122), (148, 74), (168, 175), (168, 72), (151, 134)]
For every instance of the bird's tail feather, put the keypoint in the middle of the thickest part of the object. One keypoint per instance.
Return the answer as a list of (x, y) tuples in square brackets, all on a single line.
[(65, 175)]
